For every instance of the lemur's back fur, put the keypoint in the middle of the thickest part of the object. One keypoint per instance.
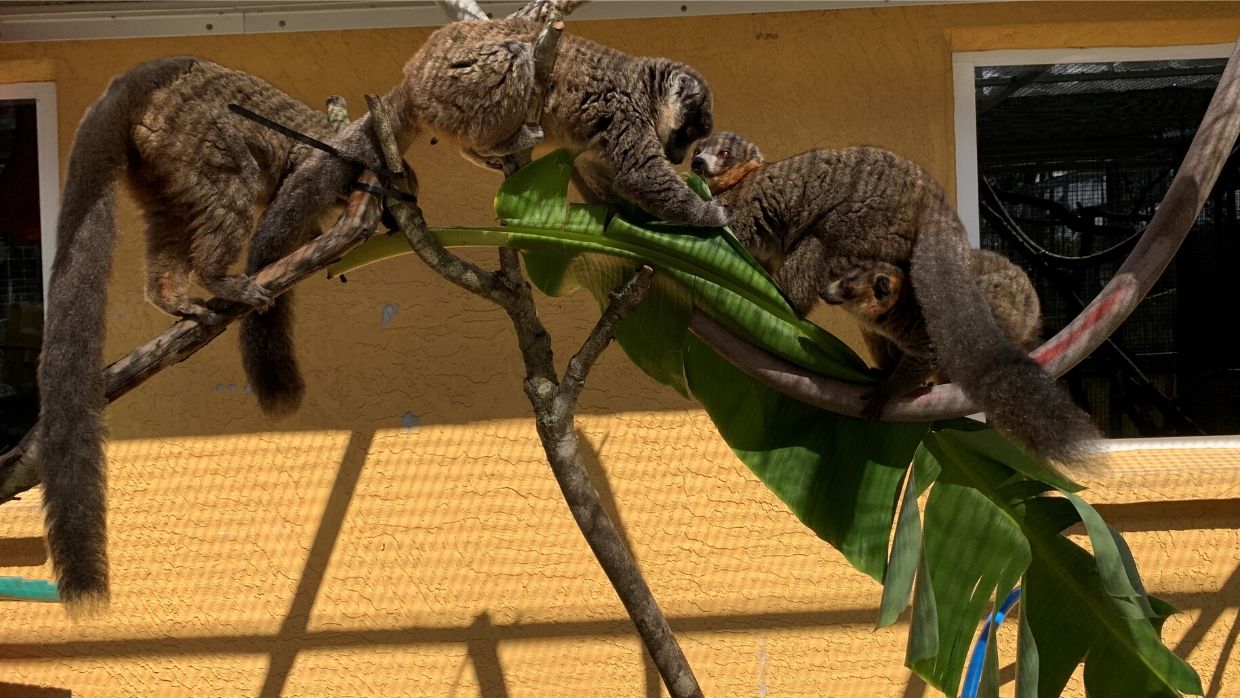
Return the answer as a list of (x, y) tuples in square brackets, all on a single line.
[(813, 216), (473, 82), (197, 171)]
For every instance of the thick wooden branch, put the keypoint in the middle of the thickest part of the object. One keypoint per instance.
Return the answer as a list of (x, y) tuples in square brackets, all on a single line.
[(1153, 252)]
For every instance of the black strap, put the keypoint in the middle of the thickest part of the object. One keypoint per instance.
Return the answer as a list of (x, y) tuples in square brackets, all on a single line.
[(311, 141), (384, 191)]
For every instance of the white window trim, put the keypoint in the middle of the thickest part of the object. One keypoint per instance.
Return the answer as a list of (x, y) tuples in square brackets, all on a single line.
[(44, 96), (963, 65)]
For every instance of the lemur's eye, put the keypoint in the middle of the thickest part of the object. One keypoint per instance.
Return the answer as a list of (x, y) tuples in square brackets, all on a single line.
[(725, 153)]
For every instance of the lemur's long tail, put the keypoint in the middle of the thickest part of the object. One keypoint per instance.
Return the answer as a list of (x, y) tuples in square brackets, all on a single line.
[(1020, 399), (71, 390)]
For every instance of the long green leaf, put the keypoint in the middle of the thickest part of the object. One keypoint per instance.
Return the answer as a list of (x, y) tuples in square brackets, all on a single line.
[(905, 554)]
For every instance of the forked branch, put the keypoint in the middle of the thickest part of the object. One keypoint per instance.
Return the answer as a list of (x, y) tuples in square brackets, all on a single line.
[(554, 401)]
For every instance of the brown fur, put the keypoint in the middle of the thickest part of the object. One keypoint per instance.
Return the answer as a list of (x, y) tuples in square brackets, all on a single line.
[(473, 82), (814, 216), (198, 171), (878, 296)]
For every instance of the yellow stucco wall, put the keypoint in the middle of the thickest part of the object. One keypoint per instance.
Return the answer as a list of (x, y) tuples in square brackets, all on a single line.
[(339, 553)]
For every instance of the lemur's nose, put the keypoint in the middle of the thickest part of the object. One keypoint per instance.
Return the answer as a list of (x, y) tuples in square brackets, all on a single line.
[(698, 165)]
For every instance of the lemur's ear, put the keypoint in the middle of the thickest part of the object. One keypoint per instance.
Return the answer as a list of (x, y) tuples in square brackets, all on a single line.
[(882, 286), (683, 84)]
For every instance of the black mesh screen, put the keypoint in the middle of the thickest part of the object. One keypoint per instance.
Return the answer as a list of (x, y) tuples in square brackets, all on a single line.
[(21, 275), (1073, 159)]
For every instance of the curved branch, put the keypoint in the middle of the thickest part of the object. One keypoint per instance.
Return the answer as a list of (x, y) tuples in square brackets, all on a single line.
[(1153, 252)]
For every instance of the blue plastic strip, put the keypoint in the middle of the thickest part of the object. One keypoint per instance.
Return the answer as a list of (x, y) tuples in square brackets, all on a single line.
[(18, 589), (973, 677)]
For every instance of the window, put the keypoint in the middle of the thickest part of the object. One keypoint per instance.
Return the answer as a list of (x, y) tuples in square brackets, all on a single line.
[(29, 196), (1062, 160)]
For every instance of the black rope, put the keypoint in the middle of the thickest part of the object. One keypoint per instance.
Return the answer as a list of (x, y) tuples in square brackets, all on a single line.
[(384, 173), (1038, 251)]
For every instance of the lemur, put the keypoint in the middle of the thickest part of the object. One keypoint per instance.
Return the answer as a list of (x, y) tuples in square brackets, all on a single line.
[(198, 172), (812, 217), (878, 296), (473, 82)]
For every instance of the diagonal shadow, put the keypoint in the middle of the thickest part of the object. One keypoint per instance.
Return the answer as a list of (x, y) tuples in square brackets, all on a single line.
[(598, 476), (288, 640), (1210, 614)]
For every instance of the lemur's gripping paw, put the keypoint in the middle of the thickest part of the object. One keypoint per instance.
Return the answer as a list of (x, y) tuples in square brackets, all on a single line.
[(711, 215)]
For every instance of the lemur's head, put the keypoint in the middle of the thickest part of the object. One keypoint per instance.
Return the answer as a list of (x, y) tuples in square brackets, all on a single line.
[(868, 292), (684, 110), (724, 158)]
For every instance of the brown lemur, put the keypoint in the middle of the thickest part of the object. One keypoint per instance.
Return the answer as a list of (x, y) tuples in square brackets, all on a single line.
[(812, 217), (198, 172), (878, 296), (473, 82)]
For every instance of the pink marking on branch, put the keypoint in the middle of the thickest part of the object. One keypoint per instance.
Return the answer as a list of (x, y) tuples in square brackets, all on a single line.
[(1110, 303)]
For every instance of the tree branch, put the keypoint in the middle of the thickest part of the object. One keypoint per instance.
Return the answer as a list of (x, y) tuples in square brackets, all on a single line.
[(536, 10), (554, 402), (461, 10), (623, 300), (540, 10)]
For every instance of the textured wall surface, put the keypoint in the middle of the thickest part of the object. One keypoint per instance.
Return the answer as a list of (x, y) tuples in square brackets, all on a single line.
[(402, 534)]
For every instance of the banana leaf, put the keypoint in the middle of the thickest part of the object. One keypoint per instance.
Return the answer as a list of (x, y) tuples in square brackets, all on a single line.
[(994, 517)]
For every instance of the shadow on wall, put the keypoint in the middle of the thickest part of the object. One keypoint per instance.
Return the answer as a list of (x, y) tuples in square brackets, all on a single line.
[(482, 637)]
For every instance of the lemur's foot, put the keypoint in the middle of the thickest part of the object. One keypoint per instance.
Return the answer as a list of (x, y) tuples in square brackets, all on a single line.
[(240, 289)]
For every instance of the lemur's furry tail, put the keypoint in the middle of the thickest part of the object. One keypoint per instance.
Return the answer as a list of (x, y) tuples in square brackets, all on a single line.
[(1020, 399), (71, 391), (292, 218)]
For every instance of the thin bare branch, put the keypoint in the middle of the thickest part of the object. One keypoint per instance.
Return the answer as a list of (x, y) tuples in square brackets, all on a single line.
[(623, 300), (461, 10), (412, 223), (540, 10)]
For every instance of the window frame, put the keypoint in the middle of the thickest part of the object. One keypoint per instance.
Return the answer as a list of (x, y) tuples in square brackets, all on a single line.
[(964, 65), (44, 96)]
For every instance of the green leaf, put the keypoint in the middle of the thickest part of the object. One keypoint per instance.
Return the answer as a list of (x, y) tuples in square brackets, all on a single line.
[(1072, 617), (923, 634), (1115, 568), (1027, 660), (989, 685), (974, 548), (905, 555), (840, 475)]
